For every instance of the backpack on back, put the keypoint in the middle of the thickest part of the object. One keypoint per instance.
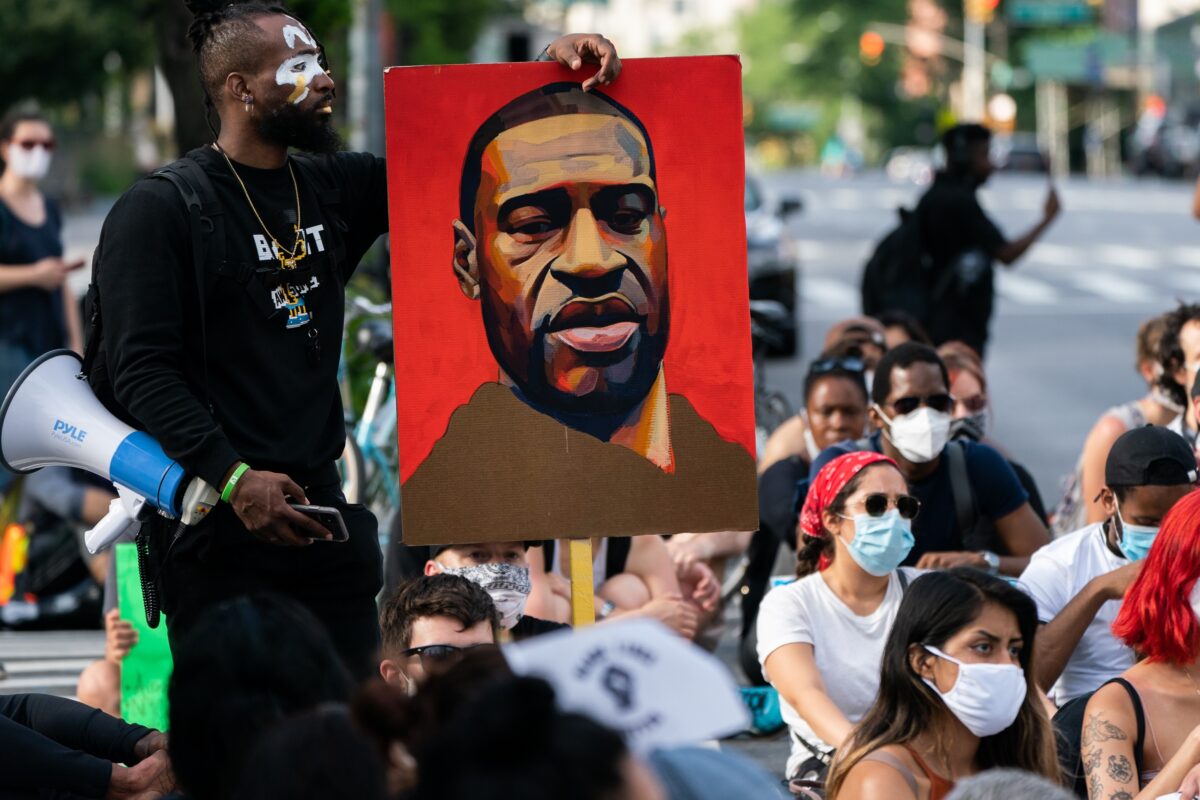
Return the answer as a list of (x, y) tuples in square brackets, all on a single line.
[(896, 277)]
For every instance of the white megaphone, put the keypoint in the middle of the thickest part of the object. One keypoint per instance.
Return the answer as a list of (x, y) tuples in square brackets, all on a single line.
[(51, 418)]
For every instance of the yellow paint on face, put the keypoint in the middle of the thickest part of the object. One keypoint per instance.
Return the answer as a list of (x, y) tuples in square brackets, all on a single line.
[(301, 87)]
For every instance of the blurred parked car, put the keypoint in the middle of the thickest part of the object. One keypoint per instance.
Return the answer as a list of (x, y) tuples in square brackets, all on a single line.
[(1019, 152), (910, 164), (1166, 144), (774, 264)]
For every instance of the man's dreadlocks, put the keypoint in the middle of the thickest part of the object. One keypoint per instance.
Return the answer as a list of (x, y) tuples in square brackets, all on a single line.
[(224, 37)]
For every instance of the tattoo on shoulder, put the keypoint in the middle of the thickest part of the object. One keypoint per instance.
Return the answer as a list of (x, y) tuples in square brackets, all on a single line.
[(1120, 796), (1098, 729), (1119, 769)]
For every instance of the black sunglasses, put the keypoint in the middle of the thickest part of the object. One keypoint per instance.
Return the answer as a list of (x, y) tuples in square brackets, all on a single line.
[(938, 402), (841, 364), (438, 653), (876, 505)]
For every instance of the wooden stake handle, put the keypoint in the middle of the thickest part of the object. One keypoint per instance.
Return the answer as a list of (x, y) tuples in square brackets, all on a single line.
[(583, 593)]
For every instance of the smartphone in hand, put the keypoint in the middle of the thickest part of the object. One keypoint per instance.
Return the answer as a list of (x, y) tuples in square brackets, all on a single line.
[(328, 518)]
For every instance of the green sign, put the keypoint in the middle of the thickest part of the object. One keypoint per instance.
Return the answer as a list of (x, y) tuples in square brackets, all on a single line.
[(1052, 58), (1049, 12), (146, 669)]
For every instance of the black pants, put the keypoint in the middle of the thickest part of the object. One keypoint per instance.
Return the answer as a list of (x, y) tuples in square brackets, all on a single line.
[(338, 581)]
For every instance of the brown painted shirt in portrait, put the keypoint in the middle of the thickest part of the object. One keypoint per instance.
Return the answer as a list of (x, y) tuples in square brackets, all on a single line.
[(505, 472)]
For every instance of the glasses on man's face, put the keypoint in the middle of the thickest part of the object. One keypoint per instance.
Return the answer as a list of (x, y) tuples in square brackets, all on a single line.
[(29, 144), (876, 505), (826, 365), (438, 654), (938, 402)]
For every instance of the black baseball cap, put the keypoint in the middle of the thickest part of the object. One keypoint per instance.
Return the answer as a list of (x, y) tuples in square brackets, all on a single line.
[(437, 548), (1150, 456)]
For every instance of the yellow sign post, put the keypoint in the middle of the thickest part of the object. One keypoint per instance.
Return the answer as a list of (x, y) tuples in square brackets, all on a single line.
[(583, 593)]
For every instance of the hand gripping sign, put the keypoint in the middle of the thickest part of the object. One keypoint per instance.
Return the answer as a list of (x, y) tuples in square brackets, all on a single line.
[(638, 678)]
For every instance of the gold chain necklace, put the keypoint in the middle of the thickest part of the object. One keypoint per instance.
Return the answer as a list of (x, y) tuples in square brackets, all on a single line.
[(287, 258)]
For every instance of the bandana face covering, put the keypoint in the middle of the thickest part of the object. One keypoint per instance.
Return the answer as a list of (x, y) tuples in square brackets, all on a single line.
[(507, 584)]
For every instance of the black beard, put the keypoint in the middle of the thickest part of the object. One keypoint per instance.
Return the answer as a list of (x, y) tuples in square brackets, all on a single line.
[(304, 130)]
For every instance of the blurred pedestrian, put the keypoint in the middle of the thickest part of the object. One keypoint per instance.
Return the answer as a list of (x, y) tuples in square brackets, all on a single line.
[(900, 327), (957, 694), (38, 311), (962, 241)]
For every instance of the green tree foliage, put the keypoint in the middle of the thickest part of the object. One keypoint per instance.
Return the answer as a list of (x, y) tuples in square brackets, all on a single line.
[(54, 51), (439, 31)]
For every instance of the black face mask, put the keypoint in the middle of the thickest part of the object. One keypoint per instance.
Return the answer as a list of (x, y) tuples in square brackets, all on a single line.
[(302, 129)]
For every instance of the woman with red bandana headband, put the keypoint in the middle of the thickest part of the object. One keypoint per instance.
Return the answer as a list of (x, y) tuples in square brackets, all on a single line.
[(820, 638)]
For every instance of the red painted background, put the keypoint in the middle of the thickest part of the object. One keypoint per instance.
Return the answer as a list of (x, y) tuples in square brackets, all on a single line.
[(692, 108)]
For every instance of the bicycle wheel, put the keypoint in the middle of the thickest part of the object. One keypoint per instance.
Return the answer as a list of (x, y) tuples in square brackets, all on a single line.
[(353, 470)]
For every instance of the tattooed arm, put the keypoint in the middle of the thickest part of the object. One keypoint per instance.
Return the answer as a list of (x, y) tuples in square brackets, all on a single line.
[(1109, 762)]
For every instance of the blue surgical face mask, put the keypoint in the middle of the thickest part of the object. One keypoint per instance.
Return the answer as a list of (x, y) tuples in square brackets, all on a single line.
[(1135, 539), (880, 543)]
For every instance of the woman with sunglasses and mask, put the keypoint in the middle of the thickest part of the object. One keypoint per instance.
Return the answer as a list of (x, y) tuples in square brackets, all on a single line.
[(957, 694), (820, 638), (38, 314)]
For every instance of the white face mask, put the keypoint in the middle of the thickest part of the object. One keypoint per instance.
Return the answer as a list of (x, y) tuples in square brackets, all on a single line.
[(1195, 598), (919, 435), (985, 697), (507, 584), (33, 163)]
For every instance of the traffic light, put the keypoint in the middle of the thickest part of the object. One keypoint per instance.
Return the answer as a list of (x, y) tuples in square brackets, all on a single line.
[(870, 48), (981, 10)]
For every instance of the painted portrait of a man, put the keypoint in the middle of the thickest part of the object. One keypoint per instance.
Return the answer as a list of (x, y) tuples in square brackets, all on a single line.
[(560, 245)]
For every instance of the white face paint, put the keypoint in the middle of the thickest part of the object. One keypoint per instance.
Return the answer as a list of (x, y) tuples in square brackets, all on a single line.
[(299, 71)]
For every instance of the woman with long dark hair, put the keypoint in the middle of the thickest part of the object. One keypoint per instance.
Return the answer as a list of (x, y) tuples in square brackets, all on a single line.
[(956, 694), (1140, 732)]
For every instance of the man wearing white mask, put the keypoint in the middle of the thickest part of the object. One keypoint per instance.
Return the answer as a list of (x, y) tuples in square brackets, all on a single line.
[(502, 570), (974, 512)]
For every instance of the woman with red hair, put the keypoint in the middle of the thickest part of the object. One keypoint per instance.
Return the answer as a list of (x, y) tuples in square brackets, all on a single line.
[(820, 639), (1140, 731)]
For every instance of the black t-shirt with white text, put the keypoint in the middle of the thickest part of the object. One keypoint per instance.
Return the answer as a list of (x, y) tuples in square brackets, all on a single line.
[(269, 370)]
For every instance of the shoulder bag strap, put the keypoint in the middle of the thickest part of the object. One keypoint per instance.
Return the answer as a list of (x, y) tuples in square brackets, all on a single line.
[(960, 486), (896, 764)]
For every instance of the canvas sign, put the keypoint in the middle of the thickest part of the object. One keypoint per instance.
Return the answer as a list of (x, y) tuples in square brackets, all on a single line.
[(570, 301)]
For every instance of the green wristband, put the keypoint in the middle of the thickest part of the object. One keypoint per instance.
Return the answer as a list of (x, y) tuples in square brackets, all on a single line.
[(238, 471)]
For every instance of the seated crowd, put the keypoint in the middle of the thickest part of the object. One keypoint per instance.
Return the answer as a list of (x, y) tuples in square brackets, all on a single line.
[(940, 635)]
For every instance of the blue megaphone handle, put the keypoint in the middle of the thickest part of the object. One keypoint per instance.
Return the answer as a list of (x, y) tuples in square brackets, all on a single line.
[(140, 464)]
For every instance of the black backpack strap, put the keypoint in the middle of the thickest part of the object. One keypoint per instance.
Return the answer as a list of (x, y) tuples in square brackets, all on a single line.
[(317, 172), (205, 224), (965, 511), (902, 576)]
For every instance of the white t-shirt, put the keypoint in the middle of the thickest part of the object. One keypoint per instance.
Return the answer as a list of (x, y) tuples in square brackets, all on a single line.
[(847, 648), (1055, 575)]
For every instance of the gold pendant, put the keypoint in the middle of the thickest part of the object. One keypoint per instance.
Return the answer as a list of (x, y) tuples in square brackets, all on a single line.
[(298, 253)]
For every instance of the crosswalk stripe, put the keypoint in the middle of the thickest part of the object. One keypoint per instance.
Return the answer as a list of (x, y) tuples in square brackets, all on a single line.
[(1127, 256), (828, 292), (1024, 289), (1057, 255), (1113, 287), (1186, 256)]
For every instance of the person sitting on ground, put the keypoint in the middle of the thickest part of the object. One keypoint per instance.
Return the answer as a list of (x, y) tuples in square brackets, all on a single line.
[(1161, 405), (993, 527), (1006, 784), (100, 682), (512, 742), (957, 694), (1078, 580), (1179, 357), (900, 327), (1140, 734), (315, 755), (820, 638), (429, 622), (973, 411), (54, 747), (635, 576), (502, 570), (245, 665), (865, 332)]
